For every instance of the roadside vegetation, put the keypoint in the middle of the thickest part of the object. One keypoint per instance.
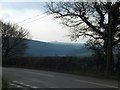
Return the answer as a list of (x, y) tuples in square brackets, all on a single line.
[(74, 65), (13, 39), (98, 21)]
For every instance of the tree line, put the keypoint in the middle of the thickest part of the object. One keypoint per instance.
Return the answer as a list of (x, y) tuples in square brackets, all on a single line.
[(13, 39), (77, 65), (98, 21)]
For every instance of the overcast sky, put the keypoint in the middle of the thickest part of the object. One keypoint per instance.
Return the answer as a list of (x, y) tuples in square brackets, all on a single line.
[(42, 27)]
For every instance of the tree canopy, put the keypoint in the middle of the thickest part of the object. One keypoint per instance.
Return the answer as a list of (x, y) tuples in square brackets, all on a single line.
[(100, 21), (13, 39)]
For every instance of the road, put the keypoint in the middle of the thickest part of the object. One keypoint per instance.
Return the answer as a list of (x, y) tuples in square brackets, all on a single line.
[(27, 78)]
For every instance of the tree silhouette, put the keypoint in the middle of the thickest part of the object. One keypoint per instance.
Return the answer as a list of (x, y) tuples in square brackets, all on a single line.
[(13, 40), (100, 21)]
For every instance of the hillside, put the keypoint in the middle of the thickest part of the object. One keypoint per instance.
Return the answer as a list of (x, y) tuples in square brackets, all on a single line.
[(38, 48)]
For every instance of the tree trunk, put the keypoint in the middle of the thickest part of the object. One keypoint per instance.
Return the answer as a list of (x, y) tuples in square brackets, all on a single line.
[(109, 51), (110, 61)]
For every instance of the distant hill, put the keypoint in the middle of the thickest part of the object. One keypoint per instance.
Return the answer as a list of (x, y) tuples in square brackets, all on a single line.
[(38, 48)]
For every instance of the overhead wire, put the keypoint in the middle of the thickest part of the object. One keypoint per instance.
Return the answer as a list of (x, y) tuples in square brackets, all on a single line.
[(34, 20), (30, 18)]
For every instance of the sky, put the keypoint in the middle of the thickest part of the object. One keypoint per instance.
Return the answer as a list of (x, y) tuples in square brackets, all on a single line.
[(42, 27)]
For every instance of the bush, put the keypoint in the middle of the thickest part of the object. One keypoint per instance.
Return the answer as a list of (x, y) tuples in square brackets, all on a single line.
[(57, 63)]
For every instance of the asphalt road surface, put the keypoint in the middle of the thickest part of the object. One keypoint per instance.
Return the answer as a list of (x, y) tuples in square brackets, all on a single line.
[(27, 78)]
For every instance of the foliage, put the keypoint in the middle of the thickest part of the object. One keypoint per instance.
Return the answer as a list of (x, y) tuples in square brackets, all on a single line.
[(67, 63), (74, 65), (86, 19), (100, 21), (13, 39)]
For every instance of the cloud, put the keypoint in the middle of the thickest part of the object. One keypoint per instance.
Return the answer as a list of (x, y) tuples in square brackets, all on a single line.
[(24, 5), (43, 27), (47, 29)]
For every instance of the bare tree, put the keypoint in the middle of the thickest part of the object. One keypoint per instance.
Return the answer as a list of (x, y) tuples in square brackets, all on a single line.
[(13, 39), (100, 21)]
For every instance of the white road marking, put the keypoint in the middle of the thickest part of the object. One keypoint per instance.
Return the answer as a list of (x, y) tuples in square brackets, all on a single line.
[(34, 87), (27, 85), (17, 83), (96, 83), (18, 86)]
